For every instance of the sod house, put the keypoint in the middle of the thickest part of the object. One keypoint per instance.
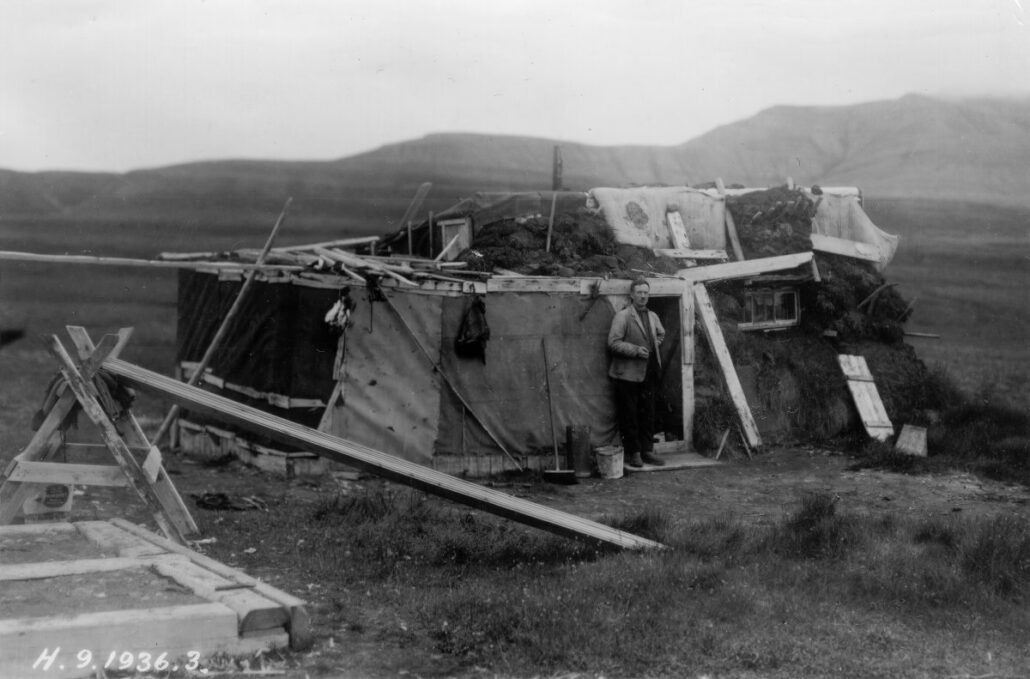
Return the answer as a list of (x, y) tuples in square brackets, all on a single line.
[(468, 343)]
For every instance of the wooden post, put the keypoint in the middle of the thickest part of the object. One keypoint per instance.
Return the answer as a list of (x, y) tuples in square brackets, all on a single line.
[(687, 357), (556, 170), (430, 229), (216, 342), (731, 227), (416, 203), (411, 249), (550, 222)]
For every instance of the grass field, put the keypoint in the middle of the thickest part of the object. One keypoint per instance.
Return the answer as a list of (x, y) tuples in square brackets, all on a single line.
[(968, 267)]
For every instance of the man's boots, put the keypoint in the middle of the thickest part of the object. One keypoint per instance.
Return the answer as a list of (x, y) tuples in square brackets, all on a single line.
[(634, 460), (652, 459)]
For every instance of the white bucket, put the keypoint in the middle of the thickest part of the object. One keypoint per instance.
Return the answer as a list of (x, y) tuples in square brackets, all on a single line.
[(609, 461)]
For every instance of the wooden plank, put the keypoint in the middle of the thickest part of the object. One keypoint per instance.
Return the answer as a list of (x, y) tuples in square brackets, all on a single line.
[(751, 267), (300, 623), (164, 489), (74, 450), (692, 254), (866, 397), (854, 367), (687, 368), (911, 441), (533, 284), (254, 612), (870, 407), (56, 569), (36, 529), (69, 474), (619, 287), (378, 462), (710, 326), (201, 629), (152, 465), (847, 248), (7, 255), (111, 538), (339, 243), (677, 231), (355, 262), (731, 226)]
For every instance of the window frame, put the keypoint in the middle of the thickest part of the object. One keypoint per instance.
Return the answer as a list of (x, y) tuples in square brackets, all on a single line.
[(774, 295)]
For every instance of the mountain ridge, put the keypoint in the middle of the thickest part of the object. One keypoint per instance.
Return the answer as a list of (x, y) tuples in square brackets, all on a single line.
[(914, 146)]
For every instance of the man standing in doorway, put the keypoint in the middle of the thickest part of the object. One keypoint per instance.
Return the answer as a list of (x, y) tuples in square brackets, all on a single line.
[(633, 341)]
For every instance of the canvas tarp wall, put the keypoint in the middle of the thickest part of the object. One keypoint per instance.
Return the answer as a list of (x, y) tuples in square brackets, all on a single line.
[(391, 393), (402, 377), (637, 216), (278, 349), (396, 401), (509, 391), (842, 216)]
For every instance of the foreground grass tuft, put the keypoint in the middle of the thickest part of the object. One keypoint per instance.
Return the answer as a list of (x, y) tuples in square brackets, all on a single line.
[(651, 523), (998, 556), (816, 530)]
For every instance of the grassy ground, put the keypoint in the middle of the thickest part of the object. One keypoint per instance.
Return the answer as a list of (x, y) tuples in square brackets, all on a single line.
[(401, 583), (818, 593)]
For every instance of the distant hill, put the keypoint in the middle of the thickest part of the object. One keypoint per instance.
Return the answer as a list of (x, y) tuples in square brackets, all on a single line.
[(914, 146), (975, 149)]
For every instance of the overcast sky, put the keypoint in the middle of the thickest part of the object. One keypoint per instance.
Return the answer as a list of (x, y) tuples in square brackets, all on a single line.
[(126, 84)]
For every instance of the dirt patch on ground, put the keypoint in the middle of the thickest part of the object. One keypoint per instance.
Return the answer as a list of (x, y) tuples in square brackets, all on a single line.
[(49, 546), (131, 588)]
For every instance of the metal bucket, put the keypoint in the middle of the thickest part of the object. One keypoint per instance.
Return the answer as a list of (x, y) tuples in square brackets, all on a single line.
[(609, 461)]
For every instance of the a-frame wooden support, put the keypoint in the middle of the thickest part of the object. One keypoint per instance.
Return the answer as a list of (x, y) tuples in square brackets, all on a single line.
[(34, 466)]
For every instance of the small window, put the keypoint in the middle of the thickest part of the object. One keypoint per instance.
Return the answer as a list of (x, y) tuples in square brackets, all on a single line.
[(765, 309)]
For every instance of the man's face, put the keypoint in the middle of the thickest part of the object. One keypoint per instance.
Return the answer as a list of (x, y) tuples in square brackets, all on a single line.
[(639, 294)]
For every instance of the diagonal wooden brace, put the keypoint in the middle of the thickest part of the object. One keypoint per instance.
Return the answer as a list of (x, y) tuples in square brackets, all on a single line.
[(155, 473)]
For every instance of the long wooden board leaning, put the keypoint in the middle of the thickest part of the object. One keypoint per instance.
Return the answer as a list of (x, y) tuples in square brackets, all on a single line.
[(867, 398), (163, 606), (710, 325), (375, 461)]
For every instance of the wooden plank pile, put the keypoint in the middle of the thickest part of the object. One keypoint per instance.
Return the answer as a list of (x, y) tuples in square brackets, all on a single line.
[(218, 609)]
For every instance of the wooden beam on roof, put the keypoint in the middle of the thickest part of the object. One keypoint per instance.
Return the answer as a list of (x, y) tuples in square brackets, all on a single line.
[(750, 267), (620, 286), (686, 253), (375, 461), (339, 243), (533, 284), (677, 231), (845, 247), (12, 256)]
